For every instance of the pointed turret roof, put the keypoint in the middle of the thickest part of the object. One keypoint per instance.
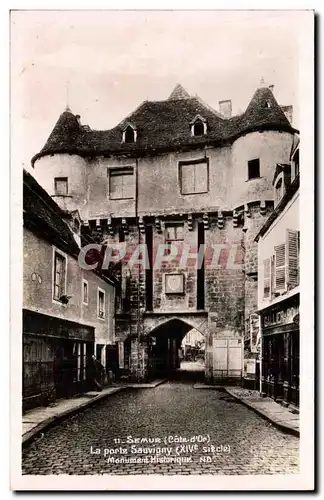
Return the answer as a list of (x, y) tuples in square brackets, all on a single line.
[(65, 132), (264, 111), (178, 93)]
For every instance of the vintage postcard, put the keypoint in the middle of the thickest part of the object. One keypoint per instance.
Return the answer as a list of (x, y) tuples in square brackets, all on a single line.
[(162, 296)]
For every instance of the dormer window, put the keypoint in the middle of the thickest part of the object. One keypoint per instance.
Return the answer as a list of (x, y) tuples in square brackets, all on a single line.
[(268, 104), (198, 126), (129, 134)]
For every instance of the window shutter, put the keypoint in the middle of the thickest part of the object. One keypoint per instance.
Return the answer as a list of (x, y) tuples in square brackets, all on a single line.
[(280, 267), (266, 278), (272, 275), (128, 185), (115, 186), (187, 179), (292, 258), (201, 178)]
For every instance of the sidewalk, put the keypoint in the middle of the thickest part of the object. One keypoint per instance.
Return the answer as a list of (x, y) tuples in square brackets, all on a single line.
[(266, 407), (35, 421)]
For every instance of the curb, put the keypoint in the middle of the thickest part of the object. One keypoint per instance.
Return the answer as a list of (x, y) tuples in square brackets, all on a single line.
[(265, 416), (148, 385), (49, 422)]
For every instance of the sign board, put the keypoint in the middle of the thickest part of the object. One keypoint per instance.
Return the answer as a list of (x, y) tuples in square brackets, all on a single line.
[(254, 333), (282, 316)]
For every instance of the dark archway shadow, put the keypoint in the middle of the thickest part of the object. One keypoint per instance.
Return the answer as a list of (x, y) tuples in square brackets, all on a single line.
[(165, 358)]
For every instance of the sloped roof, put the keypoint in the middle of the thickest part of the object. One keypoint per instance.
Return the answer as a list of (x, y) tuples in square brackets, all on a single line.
[(178, 93), (165, 125), (44, 217)]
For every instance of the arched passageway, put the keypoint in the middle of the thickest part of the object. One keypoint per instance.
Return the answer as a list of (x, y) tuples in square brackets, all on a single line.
[(169, 358)]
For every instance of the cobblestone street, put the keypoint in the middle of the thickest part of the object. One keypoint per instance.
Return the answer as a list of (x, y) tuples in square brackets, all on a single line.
[(219, 436)]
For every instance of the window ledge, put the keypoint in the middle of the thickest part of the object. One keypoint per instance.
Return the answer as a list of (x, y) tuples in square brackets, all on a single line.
[(197, 192), (255, 178), (118, 199), (58, 301), (62, 195)]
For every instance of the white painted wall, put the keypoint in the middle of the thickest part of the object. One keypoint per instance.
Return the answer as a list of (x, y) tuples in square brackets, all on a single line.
[(276, 235)]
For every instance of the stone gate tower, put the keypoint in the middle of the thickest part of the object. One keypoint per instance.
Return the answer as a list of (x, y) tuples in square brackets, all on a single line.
[(177, 173)]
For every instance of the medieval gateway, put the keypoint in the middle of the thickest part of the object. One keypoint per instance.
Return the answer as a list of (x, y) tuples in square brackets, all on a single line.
[(177, 173)]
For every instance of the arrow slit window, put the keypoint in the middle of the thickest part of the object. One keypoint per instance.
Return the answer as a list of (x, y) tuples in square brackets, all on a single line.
[(101, 303)]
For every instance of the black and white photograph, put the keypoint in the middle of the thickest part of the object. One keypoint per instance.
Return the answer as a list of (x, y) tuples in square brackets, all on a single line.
[(162, 172)]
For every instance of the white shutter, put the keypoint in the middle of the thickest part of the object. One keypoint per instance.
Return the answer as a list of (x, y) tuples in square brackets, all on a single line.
[(201, 178), (292, 258), (266, 278), (280, 267), (115, 186), (187, 179), (128, 185)]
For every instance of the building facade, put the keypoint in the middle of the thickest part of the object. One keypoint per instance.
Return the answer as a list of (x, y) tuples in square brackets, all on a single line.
[(176, 174), (278, 288), (68, 312)]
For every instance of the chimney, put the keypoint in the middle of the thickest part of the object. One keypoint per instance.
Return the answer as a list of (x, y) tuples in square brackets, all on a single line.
[(225, 108), (288, 110), (271, 87)]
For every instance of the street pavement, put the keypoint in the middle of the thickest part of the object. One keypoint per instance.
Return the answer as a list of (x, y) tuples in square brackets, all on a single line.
[(187, 431)]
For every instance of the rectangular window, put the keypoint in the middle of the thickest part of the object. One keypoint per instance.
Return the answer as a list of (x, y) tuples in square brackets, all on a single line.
[(174, 232), (296, 163), (174, 283), (101, 303), (59, 275), (253, 169), (121, 183), (266, 278), (85, 292), (61, 186), (194, 176)]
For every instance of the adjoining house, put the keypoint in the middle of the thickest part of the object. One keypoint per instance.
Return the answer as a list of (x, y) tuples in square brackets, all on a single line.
[(68, 312), (179, 173), (278, 287)]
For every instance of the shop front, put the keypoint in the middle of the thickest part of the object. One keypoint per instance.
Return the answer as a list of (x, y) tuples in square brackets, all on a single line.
[(56, 358), (280, 351)]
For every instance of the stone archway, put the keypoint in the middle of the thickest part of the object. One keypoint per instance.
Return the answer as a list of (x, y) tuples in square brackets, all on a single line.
[(197, 321), (164, 334)]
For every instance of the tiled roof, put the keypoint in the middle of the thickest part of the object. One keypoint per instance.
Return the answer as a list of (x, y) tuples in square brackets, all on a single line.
[(165, 125), (178, 93), (44, 217)]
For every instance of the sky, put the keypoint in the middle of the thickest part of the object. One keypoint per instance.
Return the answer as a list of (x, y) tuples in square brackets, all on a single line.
[(103, 64)]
